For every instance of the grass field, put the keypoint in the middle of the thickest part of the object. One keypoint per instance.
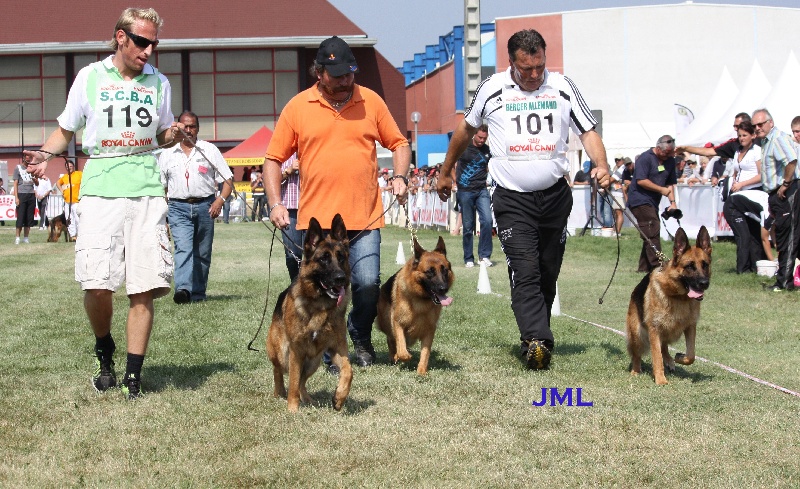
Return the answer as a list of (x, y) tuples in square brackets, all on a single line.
[(209, 419)]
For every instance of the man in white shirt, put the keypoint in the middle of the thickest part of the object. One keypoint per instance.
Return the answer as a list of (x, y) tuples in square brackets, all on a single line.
[(190, 173), (530, 112)]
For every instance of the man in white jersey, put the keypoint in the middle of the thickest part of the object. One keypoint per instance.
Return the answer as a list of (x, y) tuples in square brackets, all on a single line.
[(123, 104), (530, 112)]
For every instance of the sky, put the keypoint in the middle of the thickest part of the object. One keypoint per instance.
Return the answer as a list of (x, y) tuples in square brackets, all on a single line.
[(406, 27)]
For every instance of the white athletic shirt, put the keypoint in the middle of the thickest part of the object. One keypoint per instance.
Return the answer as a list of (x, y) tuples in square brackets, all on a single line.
[(747, 168), (529, 131)]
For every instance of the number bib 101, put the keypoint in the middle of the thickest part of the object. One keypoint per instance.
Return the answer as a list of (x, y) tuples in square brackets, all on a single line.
[(532, 126), (127, 114)]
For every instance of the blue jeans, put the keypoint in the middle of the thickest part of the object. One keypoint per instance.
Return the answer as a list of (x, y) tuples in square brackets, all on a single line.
[(293, 240), (469, 202), (192, 233), (365, 282), (226, 210), (604, 210)]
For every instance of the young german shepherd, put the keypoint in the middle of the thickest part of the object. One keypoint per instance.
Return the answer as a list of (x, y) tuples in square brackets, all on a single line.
[(411, 301), (58, 225), (666, 305), (309, 318)]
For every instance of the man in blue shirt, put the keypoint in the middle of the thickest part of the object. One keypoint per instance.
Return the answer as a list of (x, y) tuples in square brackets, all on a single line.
[(471, 171), (653, 178)]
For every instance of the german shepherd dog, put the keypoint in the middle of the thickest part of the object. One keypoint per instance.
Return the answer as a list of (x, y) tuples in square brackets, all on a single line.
[(58, 225), (666, 305), (411, 301), (309, 318)]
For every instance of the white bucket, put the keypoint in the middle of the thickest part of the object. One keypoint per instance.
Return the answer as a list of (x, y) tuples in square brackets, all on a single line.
[(607, 232), (766, 268)]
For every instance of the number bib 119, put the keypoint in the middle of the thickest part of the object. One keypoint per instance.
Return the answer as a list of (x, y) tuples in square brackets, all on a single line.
[(127, 114), (532, 126)]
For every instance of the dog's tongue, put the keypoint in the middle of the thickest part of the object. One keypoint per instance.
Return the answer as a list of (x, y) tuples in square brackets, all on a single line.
[(695, 294), (444, 300), (340, 292)]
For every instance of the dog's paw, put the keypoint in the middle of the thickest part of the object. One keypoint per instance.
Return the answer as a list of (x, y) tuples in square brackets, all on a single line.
[(402, 357), (683, 359)]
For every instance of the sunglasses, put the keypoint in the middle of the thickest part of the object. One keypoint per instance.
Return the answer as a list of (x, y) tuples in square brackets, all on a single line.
[(140, 41), (668, 141), (759, 124)]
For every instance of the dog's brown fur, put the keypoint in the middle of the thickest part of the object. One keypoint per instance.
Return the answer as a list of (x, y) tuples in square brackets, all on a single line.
[(58, 225), (411, 302), (309, 318), (666, 305)]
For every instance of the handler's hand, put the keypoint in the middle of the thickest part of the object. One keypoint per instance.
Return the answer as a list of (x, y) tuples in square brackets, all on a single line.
[(37, 162), (400, 190), (602, 176), (782, 192), (444, 186), (279, 217)]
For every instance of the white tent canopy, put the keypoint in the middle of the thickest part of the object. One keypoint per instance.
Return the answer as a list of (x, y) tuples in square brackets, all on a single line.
[(783, 102), (755, 89), (725, 91)]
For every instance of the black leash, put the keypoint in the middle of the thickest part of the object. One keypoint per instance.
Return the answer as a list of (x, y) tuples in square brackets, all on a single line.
[(661, 256)]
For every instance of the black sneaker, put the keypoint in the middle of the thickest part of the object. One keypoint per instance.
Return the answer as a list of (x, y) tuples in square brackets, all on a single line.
[(132, 387), (182, 296), (365, 354), (104, 376), (332, 369), (538, 355)]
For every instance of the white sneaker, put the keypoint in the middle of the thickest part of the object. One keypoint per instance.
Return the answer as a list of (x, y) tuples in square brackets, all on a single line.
[(469, 264), (16, 241), (25, 240), (487, 262)]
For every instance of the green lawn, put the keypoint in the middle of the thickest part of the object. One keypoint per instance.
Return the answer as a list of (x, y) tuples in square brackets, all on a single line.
[(209, 419)]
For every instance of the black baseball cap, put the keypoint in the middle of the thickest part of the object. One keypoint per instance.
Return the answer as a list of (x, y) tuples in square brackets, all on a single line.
[(335, 55)]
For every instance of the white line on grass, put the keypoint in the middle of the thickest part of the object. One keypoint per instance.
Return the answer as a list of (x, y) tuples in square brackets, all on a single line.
[(724, 367)]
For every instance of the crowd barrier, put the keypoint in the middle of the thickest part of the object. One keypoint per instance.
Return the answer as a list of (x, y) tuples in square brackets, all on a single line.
[(701, 206)]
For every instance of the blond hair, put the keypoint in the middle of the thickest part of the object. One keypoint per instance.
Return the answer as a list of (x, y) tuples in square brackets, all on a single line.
[(129, 17)]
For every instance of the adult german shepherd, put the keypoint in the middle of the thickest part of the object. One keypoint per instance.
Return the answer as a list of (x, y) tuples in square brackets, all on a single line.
[(411, 301), (666, 305), (309, 318)]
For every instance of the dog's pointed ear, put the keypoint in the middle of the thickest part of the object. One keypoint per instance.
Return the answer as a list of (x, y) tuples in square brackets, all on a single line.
[(338, 229), (418, 251), (681, 244), (704, 240), (313, 237), (440, 247)]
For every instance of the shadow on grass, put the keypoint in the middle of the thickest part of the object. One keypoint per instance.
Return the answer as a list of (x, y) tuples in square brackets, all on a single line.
[(183, 376), (436, 362), (680, 372), (323, 398)]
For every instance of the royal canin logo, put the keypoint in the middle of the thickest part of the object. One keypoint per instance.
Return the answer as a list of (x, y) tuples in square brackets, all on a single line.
[(546, 96), (144, 90), (128, 134), (112, 87), (516, 98)]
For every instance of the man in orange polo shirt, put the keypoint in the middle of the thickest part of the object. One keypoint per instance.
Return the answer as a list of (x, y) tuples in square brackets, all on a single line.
[(70, 186), (333, 127)]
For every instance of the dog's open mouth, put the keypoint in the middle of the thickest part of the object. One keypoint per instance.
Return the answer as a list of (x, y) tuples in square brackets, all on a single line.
[(441, 299), (336, 292), (695, 294)]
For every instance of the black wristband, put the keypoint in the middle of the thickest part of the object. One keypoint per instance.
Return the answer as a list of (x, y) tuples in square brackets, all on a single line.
[(401, 177), (787, 183)]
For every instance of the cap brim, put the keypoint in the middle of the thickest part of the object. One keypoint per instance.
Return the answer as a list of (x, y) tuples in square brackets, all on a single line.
[(341, 69)]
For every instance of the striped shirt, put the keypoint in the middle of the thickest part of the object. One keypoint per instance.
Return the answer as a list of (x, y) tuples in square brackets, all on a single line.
[(529, 131), (777, 151), (290, 186)]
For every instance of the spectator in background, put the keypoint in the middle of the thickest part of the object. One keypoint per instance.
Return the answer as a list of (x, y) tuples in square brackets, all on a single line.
[(247, 174), (2, 192), (70, 186), (190, 172), (259, 197), (795, 130), (226, 206), (779, 174), (680, 167), (25, 199), (617, 191), (471, 170), (582, 175), (653, 178), (726, 149), (692, 174), (744, 208), (42, 187), (290, 197)]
